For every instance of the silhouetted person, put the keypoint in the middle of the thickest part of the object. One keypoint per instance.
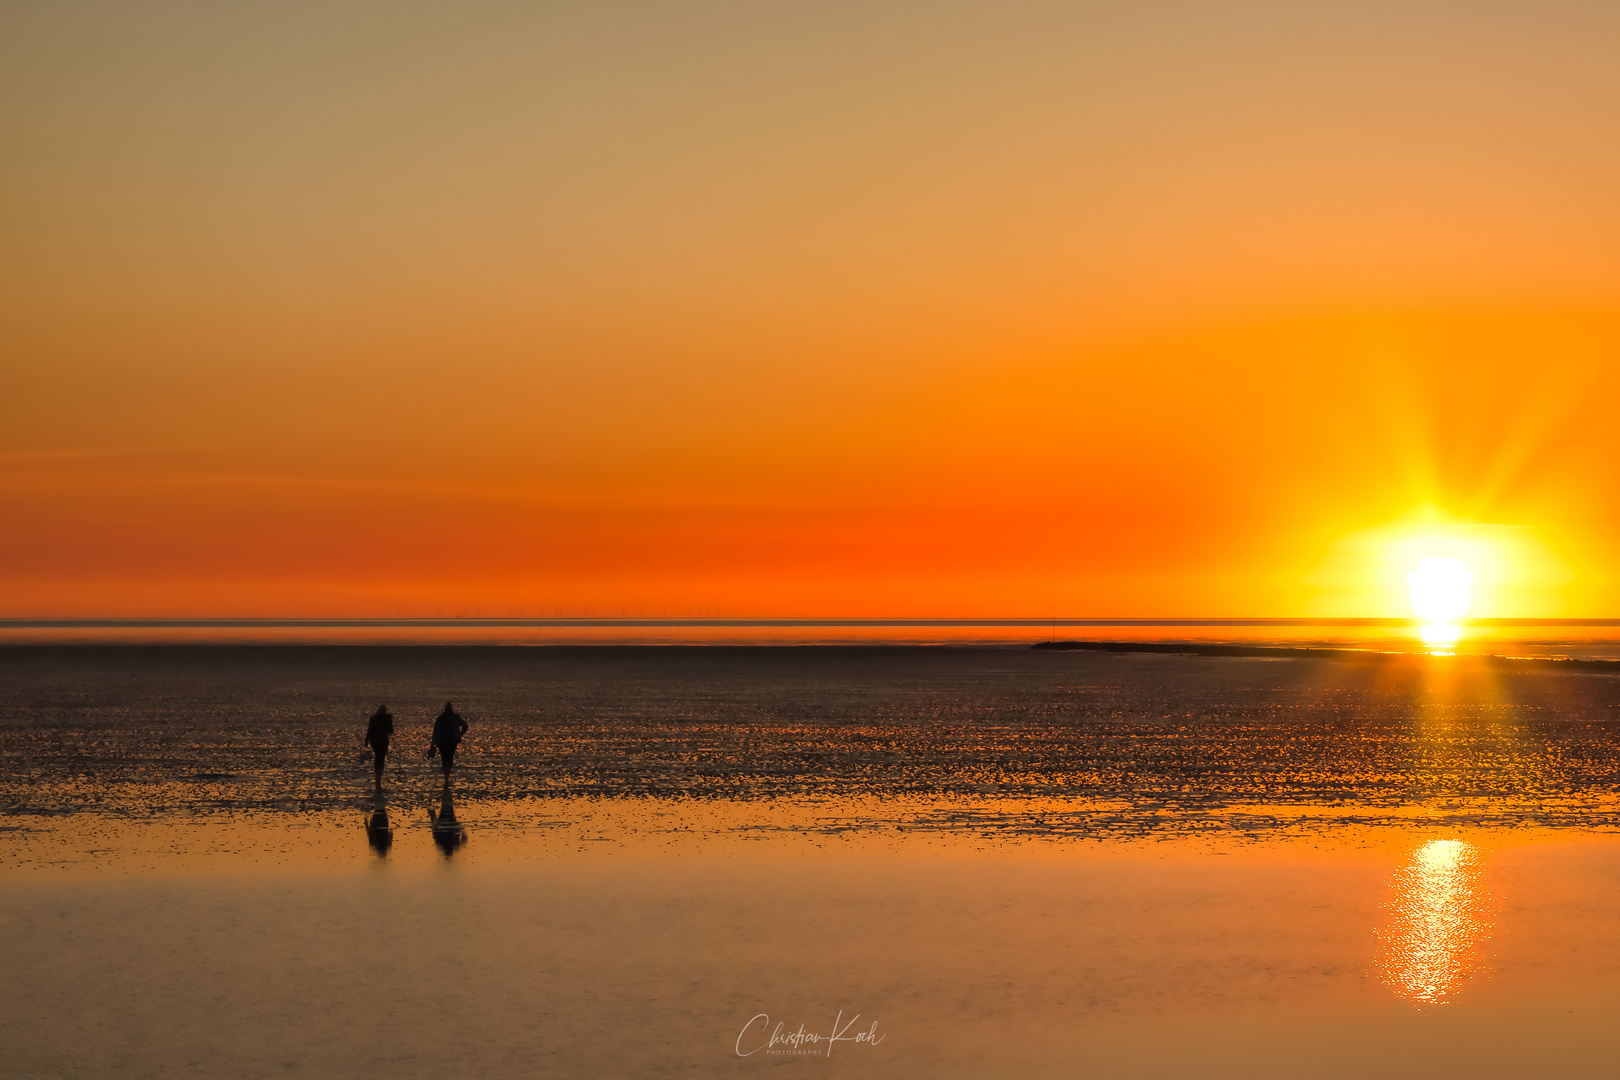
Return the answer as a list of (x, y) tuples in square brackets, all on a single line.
[(378, 832), (447, 732), (378, 733), (447, 831)]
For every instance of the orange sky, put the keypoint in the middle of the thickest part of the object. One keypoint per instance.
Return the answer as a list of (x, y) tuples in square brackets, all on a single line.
[(899, 309)]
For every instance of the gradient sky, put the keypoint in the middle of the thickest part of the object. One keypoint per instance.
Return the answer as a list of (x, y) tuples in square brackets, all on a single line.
[(805, 309)]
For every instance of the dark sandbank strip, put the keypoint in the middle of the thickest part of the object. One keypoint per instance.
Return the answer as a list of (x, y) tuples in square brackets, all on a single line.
[(1513, 663)]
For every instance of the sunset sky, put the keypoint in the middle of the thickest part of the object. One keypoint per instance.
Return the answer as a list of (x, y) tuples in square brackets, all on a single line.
[(799, 309)]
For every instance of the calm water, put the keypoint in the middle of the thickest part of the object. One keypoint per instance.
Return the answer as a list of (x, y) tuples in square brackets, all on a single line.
[(1014, 862), (1592, 639)]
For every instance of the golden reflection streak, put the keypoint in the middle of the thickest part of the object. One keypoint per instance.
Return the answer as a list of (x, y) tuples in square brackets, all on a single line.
[(1437, 921), (1439, 634)]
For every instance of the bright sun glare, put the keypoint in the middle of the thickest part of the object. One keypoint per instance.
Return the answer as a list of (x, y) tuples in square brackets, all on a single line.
[(1440, 596)]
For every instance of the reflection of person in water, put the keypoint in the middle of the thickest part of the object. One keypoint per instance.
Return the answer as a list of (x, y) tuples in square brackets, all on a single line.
[(377, 735), (447, 831), (447, 732), (378, 832)]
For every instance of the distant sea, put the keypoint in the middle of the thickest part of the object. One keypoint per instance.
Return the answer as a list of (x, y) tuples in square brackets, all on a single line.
[(1587, 639)]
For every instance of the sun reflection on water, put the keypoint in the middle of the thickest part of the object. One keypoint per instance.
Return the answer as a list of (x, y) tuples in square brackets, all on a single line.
[(1437, 920), (1439, 635)]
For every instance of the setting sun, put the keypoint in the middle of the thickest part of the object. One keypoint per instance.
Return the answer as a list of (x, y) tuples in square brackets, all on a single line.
[(1439, 587), (1440, 595)]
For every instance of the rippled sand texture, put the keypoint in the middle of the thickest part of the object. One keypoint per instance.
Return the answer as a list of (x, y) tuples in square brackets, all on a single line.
[(982, 740)]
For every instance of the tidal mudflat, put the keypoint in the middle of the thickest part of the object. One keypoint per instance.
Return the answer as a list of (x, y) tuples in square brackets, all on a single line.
[(652, 861)]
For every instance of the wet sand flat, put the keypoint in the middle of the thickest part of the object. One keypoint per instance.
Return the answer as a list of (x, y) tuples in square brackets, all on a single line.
[(654, 860), (1188, 743)]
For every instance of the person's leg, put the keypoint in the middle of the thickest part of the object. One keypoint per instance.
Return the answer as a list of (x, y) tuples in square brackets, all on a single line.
[(379, 757), (448, 755)]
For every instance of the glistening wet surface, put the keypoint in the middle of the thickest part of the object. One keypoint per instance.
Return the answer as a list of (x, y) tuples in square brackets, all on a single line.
[(1087, 743), (1010, 863)]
